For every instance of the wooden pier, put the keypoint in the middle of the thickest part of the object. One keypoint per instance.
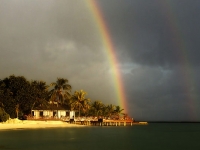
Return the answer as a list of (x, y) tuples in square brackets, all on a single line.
[(93, 122), (103, 122)]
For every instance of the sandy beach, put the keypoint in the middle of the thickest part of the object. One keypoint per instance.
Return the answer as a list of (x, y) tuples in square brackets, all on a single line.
[(29, 124)]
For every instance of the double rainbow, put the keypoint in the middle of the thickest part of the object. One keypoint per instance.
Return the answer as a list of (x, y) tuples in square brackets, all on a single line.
[(179, 44)]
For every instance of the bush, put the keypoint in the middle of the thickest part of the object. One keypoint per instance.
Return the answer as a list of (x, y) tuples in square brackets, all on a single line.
[(3, 115)]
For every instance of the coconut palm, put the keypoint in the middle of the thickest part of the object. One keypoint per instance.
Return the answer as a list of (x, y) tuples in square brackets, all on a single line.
[(86, 105), (79, 101), (125, 115), (41, 85), (118, 111), (61, 90), (98, 107), (110, 109)]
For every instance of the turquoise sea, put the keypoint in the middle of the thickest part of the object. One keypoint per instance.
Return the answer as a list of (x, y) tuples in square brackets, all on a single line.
[(154, 136)]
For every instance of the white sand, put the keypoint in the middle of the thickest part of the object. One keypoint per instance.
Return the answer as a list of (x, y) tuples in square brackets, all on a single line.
[(29, 124)]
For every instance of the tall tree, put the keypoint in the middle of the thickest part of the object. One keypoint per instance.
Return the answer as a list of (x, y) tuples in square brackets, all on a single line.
[(98, 108), (61, 90), (79, 101), (118, 111), (16, 92), (39, 93), (110, 109)]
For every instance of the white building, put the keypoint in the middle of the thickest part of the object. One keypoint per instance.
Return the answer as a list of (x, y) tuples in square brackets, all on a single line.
[(50, 112)]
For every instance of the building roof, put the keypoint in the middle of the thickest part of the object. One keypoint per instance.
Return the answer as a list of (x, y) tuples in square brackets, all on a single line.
[(49, 107)]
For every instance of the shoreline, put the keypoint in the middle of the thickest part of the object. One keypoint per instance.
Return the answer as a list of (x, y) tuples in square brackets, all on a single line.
[(26, 124), (38, 124)]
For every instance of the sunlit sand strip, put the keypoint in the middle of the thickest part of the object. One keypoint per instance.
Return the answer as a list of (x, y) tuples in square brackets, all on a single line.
[(26, 124), (143, 122)]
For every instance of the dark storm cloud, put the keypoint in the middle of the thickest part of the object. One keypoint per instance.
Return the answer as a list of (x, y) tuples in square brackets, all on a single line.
[(157, 43), (47, 39), (161, 95), (155, 32)]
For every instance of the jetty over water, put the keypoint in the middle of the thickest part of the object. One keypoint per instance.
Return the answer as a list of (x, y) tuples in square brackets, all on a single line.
[(94, 122), (104, 122)]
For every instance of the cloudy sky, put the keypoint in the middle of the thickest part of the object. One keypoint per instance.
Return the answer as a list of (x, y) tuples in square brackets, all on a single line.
[(156, 44)]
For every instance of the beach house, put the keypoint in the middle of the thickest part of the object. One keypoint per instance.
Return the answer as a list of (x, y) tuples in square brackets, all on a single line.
[(51, 111)]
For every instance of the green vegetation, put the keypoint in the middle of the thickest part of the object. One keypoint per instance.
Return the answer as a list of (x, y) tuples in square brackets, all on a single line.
[(61, 90), (79, 102), (3, 115), (18, 97)]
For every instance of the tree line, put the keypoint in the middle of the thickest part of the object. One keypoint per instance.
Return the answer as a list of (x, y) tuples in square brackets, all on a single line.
[(18, 97)]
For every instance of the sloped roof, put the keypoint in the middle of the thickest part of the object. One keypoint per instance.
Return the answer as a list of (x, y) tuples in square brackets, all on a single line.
[(49, 107)]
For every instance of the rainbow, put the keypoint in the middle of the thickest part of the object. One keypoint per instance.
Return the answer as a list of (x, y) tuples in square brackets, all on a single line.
[(110, 52), (180, 44)]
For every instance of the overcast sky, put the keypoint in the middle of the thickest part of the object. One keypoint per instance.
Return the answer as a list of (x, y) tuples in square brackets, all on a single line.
[(156, 42)]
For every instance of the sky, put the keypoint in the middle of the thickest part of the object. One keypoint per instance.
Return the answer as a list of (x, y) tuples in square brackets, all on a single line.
[(156, 43)]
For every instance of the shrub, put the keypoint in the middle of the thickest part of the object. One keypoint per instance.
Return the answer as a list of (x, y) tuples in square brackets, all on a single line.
[(3, 115)]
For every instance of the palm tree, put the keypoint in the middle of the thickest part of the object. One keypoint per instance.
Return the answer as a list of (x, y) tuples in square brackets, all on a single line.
[(125, 115), (40, 85), (110, 109), (98, 107), (61, 90), (40, 91), (79, 101), (118, 111)]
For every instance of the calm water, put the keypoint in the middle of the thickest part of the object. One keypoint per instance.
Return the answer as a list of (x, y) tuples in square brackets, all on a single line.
[(155, 136)]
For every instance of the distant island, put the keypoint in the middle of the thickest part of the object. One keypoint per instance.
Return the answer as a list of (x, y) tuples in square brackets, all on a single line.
[(23, 99)]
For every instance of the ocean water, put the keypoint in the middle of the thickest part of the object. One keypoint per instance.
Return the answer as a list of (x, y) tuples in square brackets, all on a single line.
[(154, 136)]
